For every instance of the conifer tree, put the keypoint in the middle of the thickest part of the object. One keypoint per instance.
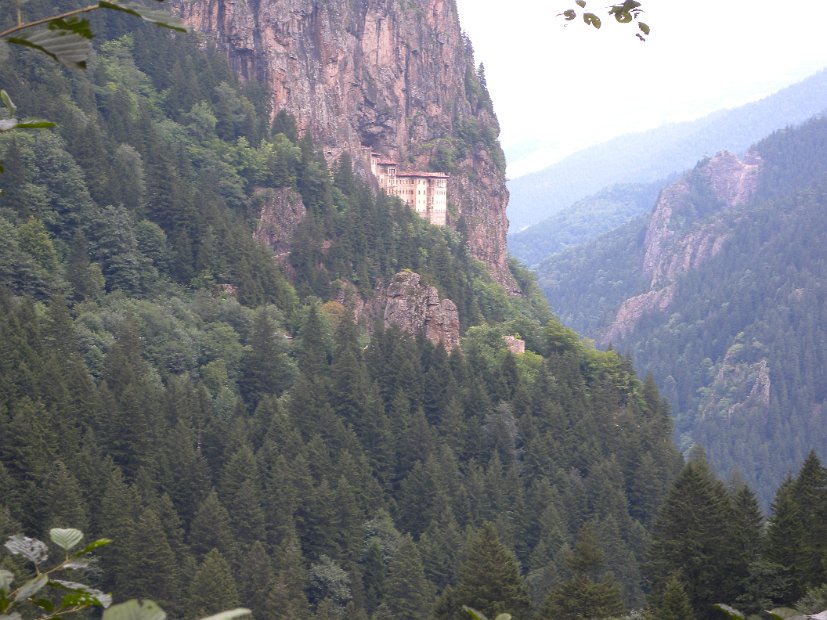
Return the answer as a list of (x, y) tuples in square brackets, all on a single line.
[(692, 535), (287, 593), (211, 529), (584, 595), (213, 587), (265, 369), (673, 603), (810, 493), (489, 581), (408, 592), (785, 546)]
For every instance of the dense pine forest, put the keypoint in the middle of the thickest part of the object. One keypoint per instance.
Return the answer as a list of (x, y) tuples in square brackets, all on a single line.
[(166, 382)]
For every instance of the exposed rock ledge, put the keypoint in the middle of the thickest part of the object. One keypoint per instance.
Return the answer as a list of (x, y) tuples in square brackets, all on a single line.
[(633, 309), (416, 307), (282, 210)]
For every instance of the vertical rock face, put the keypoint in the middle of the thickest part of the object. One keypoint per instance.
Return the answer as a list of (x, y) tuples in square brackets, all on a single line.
[(416, 307), (394, 76)]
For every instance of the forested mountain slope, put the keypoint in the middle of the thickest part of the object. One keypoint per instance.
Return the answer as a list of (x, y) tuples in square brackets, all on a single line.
[(583, 221), (164, 377), (652, 155), (720, 294)]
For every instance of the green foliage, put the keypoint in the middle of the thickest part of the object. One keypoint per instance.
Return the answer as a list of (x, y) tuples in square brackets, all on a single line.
[(625, 13), (752, 310), (67, 597), (161, 379)]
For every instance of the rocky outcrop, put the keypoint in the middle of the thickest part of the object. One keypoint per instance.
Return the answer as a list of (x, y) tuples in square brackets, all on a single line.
[(741, 386), (633, 309), (281, 212), (685, 230), (392, 76), (680, 236), (416, 307)]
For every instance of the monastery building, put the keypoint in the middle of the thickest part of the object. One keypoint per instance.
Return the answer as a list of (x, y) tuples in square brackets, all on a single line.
[(424, 192)]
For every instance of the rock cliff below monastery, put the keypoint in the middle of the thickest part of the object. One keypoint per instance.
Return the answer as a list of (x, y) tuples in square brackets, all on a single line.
[(416, 307), (281, 212), (392, 76), (685, 230)]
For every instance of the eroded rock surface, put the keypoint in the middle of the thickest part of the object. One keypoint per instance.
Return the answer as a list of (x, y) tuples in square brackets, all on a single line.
[(416, 307), (282, 210)]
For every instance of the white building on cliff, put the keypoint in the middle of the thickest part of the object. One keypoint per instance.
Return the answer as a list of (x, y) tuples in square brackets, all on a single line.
[(424, 192)]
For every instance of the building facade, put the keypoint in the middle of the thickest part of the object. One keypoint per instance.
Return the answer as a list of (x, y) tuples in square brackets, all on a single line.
[(424, 192)]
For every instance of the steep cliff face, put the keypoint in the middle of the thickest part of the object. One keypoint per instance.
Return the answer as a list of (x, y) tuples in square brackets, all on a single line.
[(393, 76), (685, 230), (416, 307)]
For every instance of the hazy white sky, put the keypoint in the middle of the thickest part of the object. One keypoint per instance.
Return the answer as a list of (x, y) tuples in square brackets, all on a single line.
[(557, 89)]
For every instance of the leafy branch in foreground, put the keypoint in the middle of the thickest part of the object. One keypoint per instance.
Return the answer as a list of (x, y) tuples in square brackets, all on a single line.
[(67, 37), (70, 596), (9, 122), (73, 596), (627, 12)]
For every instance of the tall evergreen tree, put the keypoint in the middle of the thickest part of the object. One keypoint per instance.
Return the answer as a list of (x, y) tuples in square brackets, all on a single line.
[(489, 581), (691, 536), (409, 594), (585, 595), (213, 588)]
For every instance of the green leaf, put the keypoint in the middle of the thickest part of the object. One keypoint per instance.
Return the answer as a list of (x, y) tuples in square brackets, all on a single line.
[(569, 14), (153, 16), (473, 613), (643, 27), (79, 26), (730, 612), (135, 609), (581, 3), (31, 548), (65, 538), (6, 579), (94, 596), (229, 615), (100, 542), (7, 102), (592, 20), (30, 588), (35, 123), (65, 46)]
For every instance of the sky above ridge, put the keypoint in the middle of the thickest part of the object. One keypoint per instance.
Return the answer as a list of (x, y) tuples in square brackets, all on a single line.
[(558, 89)]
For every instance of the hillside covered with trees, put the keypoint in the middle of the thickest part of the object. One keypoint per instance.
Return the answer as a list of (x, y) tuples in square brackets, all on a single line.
[(245, 438), (749, 316), (164, 378)]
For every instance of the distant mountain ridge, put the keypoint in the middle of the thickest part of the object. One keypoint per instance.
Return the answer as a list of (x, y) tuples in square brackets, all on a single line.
[(720, 294), (652, 155)]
